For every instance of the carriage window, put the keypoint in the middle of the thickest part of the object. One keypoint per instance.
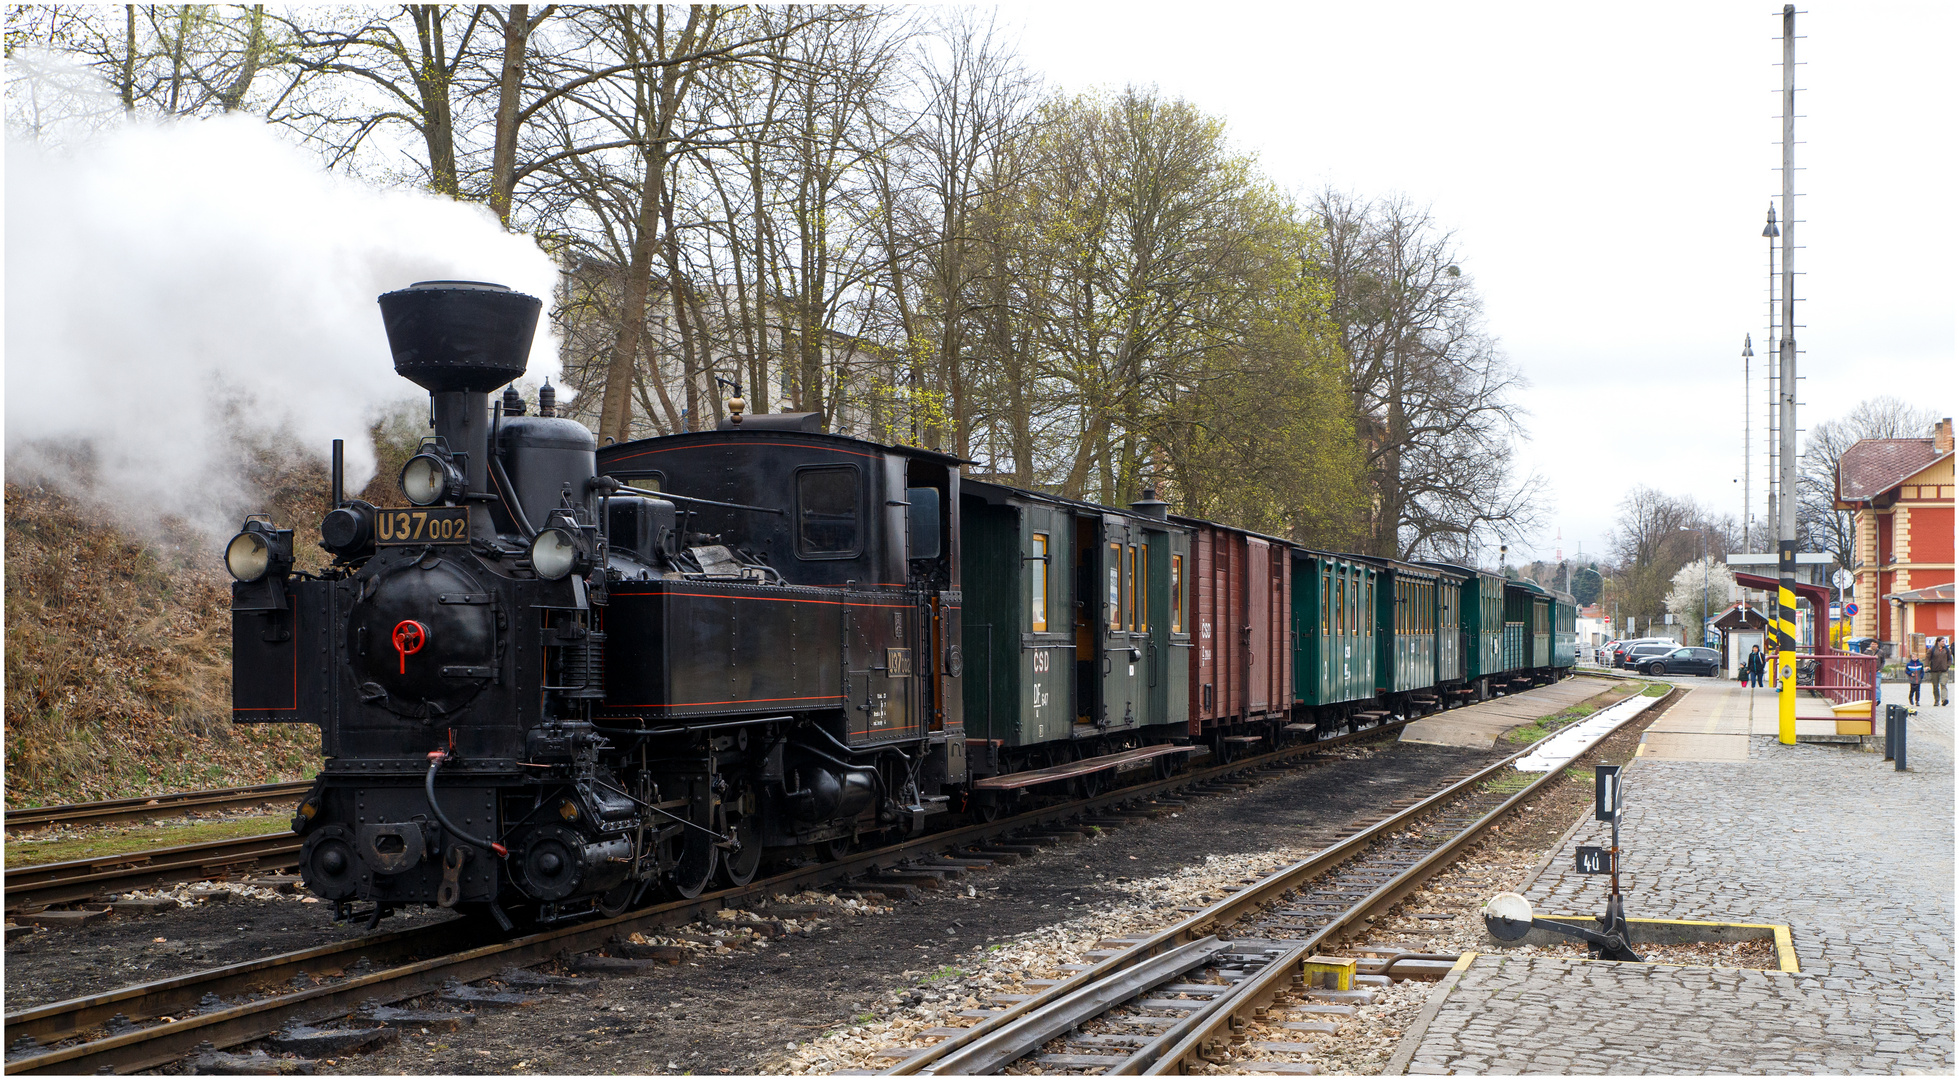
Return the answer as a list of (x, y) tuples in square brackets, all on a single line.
[(1176, 594), (1326, 602), (1135, 590), (1114, 616), (1038, 602), (826, 511)]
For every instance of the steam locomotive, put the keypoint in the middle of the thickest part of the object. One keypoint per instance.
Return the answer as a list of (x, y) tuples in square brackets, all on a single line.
[(566, 676)]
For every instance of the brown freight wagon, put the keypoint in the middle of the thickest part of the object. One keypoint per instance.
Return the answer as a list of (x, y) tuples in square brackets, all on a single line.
[(1241, 669)]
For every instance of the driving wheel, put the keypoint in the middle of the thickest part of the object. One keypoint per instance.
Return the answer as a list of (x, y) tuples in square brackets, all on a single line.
[(695, 866)]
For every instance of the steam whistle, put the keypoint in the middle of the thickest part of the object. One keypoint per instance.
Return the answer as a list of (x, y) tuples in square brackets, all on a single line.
[(1508, 916)]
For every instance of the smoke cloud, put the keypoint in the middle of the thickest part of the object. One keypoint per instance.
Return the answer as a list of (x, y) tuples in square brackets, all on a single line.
[(175, 292)]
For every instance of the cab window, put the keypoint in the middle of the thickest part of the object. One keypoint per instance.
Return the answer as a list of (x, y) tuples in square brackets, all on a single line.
[(826, 512)]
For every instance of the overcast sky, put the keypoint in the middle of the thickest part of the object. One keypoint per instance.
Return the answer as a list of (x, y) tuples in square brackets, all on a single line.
[(1607, 169)]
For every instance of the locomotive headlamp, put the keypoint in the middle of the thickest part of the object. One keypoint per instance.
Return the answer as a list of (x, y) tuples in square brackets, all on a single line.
[(427, 479), (259, 549), (553, 553)]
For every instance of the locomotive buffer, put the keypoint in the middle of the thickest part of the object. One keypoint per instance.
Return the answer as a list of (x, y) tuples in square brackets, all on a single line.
[(1508, 915)]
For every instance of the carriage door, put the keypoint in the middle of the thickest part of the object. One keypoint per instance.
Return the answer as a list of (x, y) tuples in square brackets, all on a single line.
[(1169, 639), (1124, 639), (1258, 619)]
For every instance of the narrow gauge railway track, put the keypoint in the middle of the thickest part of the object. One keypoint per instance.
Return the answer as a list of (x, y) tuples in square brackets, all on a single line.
[(149, 808), (1175, 998), (167, 1020), (82, 879)]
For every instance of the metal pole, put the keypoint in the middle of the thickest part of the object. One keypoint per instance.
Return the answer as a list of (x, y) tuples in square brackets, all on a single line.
[(1706, 567), (1747, 442), (1775, 402), (1785, 554)]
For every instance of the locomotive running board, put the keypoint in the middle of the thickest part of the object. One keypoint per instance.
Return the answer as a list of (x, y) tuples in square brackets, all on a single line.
[(1118, 761)]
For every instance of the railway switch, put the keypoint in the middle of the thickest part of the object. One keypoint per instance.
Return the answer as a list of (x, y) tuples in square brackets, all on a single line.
[(1508, 915)]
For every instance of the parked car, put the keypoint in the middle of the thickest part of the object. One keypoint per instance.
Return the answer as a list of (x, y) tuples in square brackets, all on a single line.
[(1689, 661), (1603, 654), (1638, 653), (1623, 648)]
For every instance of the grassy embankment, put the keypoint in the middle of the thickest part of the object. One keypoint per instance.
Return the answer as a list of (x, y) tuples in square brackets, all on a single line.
[(119, 663)]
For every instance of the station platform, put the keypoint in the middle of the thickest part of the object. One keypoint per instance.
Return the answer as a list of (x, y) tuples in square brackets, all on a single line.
[(1480, 724), (1855, 858), (1718, 719)]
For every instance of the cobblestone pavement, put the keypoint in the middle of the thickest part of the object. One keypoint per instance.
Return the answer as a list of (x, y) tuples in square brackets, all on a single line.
[(1856, 858)]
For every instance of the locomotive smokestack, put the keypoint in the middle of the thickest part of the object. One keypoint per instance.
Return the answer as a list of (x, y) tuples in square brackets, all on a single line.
[(460, 340)]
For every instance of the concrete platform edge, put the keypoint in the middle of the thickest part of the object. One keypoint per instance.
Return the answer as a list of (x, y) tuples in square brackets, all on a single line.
[(1411, 1040)]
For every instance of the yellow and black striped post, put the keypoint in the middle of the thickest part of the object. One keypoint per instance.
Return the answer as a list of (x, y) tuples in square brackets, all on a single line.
[(1785, 640)]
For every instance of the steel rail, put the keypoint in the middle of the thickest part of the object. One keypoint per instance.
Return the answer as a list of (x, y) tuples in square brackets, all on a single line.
[(178, 1036), (149, 807), (80, 879), (950, 1056), (186, 993)]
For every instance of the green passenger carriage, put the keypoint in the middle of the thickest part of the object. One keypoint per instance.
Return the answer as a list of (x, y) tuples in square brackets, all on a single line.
[(1333, 623)]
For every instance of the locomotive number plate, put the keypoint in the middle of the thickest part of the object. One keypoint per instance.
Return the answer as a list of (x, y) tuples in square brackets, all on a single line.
[(425, 525)]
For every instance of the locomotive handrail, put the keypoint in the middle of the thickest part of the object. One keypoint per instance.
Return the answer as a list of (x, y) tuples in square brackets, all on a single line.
[(704, 502), (508, 492)]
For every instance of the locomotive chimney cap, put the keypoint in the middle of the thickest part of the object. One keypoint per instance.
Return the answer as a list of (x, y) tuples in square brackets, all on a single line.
[(470, 336), (1150, 506)]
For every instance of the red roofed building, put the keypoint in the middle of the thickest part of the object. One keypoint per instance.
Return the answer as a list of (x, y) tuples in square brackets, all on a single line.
[(1901, 492)]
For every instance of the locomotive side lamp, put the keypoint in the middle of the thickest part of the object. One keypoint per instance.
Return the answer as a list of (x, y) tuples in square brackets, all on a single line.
[(258, 550), (561, 546), (553, 553)]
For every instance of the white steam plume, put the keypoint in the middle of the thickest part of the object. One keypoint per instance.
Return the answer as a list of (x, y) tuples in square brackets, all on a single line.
[(167, 285)]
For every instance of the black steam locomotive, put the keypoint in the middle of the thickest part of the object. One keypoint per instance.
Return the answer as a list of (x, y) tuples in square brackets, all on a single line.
[(483, 752)]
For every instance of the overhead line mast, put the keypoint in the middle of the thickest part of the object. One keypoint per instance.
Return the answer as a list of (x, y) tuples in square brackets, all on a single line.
[(1785, 553)]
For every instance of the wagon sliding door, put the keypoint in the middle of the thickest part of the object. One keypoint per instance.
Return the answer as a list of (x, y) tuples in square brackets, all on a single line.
[(1259, 656)]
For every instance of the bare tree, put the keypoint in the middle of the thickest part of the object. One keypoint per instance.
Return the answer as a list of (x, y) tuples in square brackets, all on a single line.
[(1431, 393), (156, 59), (1821, 527), (1656, 534)]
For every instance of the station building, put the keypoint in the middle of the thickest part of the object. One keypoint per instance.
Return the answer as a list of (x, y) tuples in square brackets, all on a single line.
[(1901, 493)]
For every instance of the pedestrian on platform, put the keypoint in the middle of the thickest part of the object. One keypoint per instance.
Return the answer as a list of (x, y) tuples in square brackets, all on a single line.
[(1938, 660), (1914, 674), (1756, 665)]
